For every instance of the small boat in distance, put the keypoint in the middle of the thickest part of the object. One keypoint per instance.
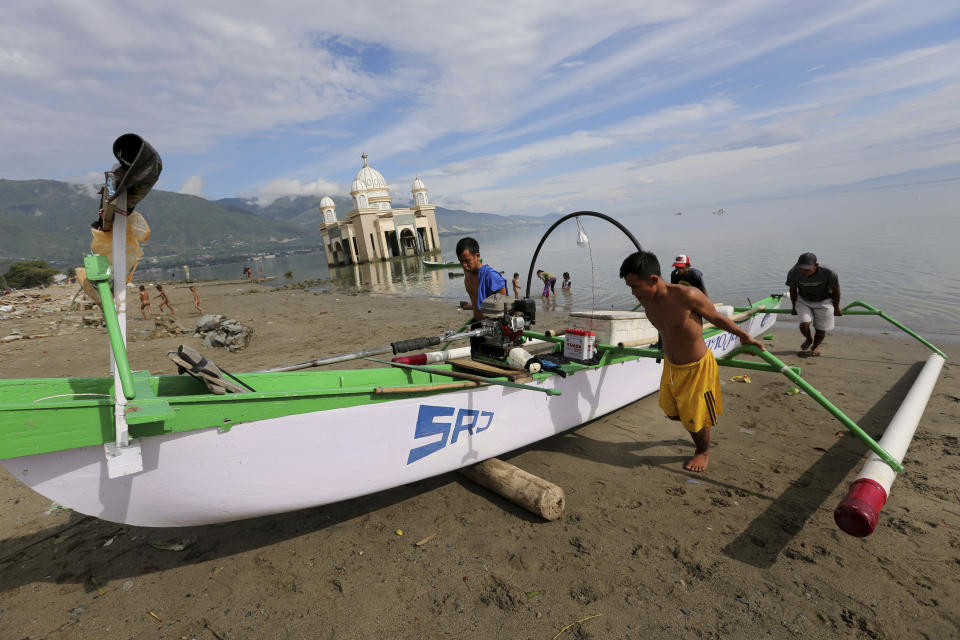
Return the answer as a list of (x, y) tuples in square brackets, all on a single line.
[(431, 264)]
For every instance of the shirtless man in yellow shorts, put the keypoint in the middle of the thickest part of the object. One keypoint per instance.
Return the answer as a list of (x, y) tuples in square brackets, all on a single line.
[(690, 385)]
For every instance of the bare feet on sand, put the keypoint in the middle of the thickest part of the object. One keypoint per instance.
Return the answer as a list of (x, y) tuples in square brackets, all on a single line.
[(699, 462), (815, 352), (701, 457)]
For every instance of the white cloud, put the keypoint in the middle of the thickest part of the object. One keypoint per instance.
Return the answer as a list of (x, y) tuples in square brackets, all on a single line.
[(541, 106), (286, 187), (193, 186)]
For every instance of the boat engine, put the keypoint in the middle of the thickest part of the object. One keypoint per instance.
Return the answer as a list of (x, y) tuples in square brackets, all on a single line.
[(505, 323)]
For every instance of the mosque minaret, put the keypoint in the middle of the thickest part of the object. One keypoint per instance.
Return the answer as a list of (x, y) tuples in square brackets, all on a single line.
[(373, 229)]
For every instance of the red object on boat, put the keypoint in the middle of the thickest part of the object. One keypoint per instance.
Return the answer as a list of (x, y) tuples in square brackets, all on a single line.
[(420, 358)]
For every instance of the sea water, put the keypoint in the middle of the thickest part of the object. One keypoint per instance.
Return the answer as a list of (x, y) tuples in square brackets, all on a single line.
[(905, 263)]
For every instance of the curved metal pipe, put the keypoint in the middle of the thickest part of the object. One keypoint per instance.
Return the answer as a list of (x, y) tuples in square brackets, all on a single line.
[(592, 214)]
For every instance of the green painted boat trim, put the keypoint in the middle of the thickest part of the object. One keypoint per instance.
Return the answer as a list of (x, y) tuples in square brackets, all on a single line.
[(43, 415)]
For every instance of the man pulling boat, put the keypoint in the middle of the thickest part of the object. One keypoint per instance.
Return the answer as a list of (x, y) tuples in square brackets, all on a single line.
[(815, 295), (690, 384)]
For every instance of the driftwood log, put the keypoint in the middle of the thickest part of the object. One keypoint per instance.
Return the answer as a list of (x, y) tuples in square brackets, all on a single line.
[(534, 494)]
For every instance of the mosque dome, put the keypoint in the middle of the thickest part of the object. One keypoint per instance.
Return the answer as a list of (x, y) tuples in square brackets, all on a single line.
[(326, 201), (368, 177), (417, 185), (357, 186)]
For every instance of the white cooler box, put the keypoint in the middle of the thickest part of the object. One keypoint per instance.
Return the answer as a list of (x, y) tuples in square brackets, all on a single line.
[(613, 327)]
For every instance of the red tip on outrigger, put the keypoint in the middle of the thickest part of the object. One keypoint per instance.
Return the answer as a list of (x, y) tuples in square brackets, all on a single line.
[(859, 512)]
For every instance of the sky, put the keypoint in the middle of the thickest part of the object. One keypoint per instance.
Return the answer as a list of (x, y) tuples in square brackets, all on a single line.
[(527, 108)]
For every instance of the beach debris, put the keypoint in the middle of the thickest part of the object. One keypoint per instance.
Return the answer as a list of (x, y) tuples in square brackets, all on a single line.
[(580, 621), (127, 585), (684, 611), (179, 545), (154, 615), (533, 594), (420, 543), (165, 325), (96, 584), (769, 336), (223, 332), (792, 391), (743, 600), (745, 378), (399, 532), (749, 432), (692, 481), (524, 489), (55, 507), (16, 335), (109, 541)]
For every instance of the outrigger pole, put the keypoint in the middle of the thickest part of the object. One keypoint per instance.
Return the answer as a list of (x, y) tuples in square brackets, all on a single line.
[(401, 346), (859, 511), (867, 310)]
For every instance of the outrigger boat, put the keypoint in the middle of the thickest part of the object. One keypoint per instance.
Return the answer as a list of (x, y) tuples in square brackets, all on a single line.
[(432, 264), (163, 451)]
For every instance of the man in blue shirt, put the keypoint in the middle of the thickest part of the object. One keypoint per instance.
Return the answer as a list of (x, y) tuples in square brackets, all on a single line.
[(480, 280)]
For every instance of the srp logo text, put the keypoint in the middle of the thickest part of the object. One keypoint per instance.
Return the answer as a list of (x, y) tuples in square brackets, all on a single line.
[(447, 423)]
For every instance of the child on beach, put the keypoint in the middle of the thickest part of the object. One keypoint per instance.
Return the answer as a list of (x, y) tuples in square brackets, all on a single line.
[(516, 285), (549, 283), (145, 309), (690, 384), (164, 300), (196, 299), (480, 280), (567, 284)]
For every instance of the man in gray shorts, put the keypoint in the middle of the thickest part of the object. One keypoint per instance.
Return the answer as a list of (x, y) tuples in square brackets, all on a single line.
[(815, 295)]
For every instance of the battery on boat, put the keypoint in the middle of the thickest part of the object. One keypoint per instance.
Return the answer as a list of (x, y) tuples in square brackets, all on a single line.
[(579, 344)]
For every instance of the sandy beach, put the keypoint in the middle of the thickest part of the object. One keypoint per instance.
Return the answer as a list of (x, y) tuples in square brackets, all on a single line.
[(645, 549)]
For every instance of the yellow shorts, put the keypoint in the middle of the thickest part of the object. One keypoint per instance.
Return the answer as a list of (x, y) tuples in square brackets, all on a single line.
[(692, 392)]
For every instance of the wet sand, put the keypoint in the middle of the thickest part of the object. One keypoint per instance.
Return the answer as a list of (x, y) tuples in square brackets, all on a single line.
[(748, 549)]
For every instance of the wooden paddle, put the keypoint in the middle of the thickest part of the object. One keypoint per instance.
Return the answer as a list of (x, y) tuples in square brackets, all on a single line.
[(469, 376)]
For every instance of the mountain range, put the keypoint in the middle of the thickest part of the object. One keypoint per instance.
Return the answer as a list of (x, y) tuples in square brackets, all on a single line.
[(49, 220)]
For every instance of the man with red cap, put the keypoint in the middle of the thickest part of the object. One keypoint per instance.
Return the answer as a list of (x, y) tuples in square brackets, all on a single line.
[(683, 273)]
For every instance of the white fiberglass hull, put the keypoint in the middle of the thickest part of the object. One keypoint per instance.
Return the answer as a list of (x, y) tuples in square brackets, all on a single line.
[(294, 462)]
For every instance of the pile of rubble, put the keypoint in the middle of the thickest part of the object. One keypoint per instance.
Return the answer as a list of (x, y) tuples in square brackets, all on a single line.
[(220, 331), (164, 325), (29, 303)]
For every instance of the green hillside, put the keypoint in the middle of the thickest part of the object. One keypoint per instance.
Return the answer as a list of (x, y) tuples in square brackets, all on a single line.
[(50, 220)]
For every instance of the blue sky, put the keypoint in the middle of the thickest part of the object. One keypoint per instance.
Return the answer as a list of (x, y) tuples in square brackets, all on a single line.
[(532, 108)]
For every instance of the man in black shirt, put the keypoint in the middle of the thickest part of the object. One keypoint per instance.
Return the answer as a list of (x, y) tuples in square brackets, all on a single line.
[(683, 273), (815, 296)]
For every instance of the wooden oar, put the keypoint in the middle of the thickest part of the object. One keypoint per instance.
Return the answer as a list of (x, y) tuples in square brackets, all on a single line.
[(469, 376)]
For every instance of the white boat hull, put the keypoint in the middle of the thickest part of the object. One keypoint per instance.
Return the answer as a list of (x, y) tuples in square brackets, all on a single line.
[(294, 462)]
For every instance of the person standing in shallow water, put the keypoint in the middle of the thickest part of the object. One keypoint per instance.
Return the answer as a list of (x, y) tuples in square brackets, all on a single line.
[(690, 384)]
